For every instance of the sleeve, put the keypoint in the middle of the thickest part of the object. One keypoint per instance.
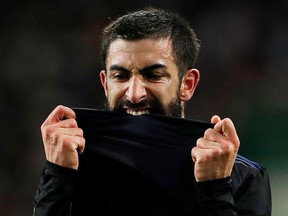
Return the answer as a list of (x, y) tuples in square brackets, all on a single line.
[(55, 190), (215, 197), (253, 194), (246, 193)]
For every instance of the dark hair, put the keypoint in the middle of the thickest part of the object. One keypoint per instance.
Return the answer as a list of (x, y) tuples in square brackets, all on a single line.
[(156, 24)]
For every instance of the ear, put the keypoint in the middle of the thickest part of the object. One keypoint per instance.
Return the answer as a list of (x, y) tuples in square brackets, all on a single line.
[(188, 84), (103, 79)]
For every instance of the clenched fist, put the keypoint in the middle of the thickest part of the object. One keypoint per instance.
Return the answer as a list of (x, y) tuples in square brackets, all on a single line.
[(215, 153), (62, 138)]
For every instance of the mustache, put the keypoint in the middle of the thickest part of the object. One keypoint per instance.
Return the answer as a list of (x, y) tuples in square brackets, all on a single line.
[(155, 107), (129, 104), (119, 107)]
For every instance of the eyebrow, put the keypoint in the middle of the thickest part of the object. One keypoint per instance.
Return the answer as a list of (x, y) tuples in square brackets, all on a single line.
[(152, 67), (143, 70), (118, 67)]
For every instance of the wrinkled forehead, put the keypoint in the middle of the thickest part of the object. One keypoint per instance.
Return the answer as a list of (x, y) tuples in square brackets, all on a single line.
[(140, 51)]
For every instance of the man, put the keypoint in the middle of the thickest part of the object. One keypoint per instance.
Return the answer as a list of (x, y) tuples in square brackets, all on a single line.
[(149, 58)]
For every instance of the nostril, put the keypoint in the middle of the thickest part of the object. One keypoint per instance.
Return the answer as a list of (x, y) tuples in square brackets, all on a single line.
[(136, 90)]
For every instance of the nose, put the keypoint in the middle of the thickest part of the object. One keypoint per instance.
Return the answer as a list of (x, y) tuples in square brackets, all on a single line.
[(136, 90)]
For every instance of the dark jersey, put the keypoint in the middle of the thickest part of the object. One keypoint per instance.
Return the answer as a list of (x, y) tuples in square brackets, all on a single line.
[(142, 166)]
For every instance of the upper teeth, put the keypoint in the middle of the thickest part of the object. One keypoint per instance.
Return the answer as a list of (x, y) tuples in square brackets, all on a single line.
[(140, 112)]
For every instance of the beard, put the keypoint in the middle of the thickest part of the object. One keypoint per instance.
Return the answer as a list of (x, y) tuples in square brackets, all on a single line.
[(173, 109)]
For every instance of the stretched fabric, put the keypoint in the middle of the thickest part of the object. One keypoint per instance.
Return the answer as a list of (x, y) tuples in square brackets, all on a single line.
[(142, 166), (136, 162)]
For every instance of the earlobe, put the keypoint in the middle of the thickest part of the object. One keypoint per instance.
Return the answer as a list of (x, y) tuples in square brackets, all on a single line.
[(103, 79), (189, 84)]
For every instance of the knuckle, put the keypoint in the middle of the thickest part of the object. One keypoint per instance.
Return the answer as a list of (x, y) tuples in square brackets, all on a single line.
[(81, 132), (59, 108), (208, 156), (71, 123), (227, 120), (193, 150), (47, 131), (226, 147), (65, 140), (218, 153), (237, 144), (208, 132), (66, 144), (199, 141)]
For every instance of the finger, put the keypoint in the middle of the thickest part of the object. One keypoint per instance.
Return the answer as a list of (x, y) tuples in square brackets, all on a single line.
[(212, 135), (227, 129), (215, 119), (200, 155), (66, 128), (68, 123), (70, 143), (70, 131), (207, 144), (81, 145), (53, 135), (194, 154), (75, 143), (60, 113)]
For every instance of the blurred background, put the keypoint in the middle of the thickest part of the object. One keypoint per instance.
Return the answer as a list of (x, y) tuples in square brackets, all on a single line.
[(50, 56)]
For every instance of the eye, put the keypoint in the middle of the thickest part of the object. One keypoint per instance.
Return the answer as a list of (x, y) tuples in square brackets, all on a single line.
[(152, 75), (120, 76)]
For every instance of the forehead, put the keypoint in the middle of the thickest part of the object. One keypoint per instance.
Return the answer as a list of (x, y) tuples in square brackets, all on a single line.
[(144, 51)]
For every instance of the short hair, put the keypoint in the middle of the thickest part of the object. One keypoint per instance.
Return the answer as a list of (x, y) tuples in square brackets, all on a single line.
[(156, 24)]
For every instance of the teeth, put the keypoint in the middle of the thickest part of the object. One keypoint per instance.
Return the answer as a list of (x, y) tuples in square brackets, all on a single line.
[(136, 113)]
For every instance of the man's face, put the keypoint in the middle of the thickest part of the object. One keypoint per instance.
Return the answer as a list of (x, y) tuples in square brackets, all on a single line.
[(142, 78)]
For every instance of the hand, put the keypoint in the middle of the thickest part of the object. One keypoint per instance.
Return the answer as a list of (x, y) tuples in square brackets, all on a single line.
[(62, 138), (215, 153)]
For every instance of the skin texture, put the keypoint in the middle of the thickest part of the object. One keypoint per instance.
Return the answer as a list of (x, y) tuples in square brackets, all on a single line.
[(215, 152), (62, 138), (144, 71), (135, 79)]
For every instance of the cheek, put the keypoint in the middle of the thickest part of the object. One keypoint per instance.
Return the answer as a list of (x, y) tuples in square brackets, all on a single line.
[(115, 92), (164, 93)]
